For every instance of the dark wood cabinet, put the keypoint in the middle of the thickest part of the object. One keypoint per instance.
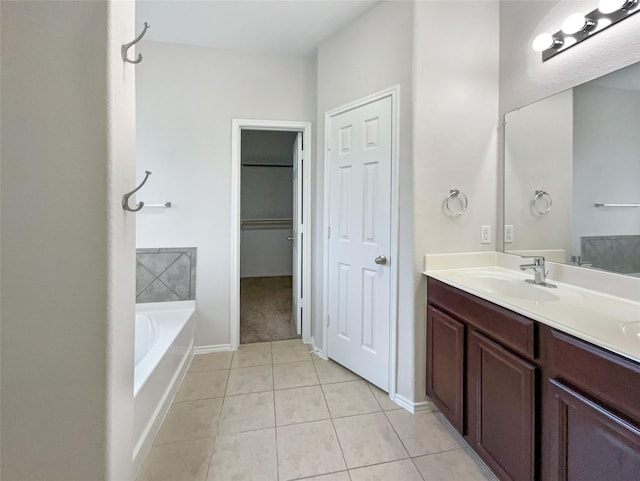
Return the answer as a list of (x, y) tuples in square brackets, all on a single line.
[(481, 374), (534, 403), (586, 441), (445, 338), (501, 400), (592, 412)]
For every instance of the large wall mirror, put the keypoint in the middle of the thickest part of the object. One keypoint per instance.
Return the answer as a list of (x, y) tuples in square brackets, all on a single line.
[(572, 175)]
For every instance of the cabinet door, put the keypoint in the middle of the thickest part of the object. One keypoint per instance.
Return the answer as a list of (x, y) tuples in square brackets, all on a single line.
[(501, 409), (445, 363), (586, 442)]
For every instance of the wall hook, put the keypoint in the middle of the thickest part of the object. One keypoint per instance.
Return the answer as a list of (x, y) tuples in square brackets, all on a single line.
[(127, 46), (125, 197)]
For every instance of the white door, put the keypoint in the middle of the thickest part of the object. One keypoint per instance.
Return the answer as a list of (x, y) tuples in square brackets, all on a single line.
[(360, 239), (298, 232)]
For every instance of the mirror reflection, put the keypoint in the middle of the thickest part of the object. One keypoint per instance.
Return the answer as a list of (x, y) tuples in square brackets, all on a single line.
[(572, 175)]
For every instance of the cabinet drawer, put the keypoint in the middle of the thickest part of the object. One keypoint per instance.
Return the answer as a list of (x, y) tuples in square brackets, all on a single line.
[(511, 329), (607, 377)]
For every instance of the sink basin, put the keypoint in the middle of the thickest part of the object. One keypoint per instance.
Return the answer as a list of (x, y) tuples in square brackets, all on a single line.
[(631, 329), (516, 288)]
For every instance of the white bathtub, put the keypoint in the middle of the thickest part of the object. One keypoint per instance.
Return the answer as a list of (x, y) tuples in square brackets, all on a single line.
[(163, 351)]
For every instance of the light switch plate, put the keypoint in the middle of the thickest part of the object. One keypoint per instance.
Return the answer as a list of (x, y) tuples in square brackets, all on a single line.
[(508, 234), (485, 234)]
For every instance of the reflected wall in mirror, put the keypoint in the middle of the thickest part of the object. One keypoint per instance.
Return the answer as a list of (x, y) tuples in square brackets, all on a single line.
[(582, 147)]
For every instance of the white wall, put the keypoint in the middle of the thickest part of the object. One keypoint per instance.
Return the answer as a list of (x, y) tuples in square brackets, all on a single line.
[(539, 156), (372, 54), (607, 161), (186, 98), (455, 137), (67, 246)]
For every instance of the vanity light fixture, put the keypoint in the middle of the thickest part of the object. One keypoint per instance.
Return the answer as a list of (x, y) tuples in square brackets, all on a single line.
[(578, 27), (610, 6), (576, 23), (546, 41)]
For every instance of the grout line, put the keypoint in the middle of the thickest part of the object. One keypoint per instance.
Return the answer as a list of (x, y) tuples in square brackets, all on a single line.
[(275, 415), (314, 476), (275, 430), (376, 398), (332, 423), (215, 436), (413, 461)]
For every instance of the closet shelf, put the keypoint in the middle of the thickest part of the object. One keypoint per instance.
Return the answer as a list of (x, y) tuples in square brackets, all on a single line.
[(268, 165), (266, 223)]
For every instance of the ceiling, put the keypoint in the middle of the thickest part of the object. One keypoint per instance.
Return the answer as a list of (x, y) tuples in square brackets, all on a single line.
[(294, 27)]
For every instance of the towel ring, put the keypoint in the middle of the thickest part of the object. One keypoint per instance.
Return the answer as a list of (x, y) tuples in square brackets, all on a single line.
[(541, 194), (453, 194)]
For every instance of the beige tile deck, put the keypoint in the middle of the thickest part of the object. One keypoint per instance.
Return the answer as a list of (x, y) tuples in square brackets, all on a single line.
[(272, 412)]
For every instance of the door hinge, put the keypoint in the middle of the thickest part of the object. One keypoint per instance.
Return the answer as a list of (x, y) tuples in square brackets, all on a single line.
[(328, 320), (329, 232)]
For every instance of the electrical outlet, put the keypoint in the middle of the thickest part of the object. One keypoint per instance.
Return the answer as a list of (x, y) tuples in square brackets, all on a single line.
[(508, 234), (485, 234)]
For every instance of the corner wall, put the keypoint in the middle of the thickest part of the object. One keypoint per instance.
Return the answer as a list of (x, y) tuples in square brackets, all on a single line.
[(455, 137), (67, 305), (373, 53)]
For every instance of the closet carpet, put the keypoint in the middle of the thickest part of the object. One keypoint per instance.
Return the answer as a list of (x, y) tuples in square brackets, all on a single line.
[(265, 309)]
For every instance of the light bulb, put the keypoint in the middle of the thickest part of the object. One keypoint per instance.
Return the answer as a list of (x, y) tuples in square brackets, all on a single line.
[(575, 23), (603, 23), (610, 6), (545, 41)]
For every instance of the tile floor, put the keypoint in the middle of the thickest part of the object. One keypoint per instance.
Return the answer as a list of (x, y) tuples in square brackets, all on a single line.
[(271, 411)]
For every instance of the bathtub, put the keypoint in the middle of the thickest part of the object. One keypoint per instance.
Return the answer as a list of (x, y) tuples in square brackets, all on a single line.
[(163, 351)]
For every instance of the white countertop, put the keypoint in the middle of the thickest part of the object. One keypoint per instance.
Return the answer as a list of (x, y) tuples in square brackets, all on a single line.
[(602, 319)]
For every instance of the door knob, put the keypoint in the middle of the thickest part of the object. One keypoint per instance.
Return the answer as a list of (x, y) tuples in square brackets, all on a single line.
[(382, 260), (290, 238)]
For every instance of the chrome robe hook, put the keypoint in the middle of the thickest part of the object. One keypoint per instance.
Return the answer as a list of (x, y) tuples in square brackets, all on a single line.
[(127, 46), (125, 197)]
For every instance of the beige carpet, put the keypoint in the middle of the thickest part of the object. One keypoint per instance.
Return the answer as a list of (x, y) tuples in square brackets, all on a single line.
[(265, 309)]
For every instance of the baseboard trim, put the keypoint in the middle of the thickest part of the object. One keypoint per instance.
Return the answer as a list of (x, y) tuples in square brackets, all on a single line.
[(317, 351), (212, 348), (412, 407)]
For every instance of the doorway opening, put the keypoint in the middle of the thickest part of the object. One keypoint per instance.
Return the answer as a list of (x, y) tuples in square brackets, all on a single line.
[(267, 310), (270, 248)]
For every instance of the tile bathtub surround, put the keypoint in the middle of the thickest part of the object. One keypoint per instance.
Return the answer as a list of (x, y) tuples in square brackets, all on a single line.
[(305, 418), (165, 274)]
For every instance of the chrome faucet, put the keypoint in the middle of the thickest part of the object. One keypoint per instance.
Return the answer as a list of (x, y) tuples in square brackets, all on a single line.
[(539, 271)]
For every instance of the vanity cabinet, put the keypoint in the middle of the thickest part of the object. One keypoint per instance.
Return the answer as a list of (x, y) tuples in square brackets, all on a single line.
[(481, 373), (445, 347), (592, 412), (533, 402), (501, 406)]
